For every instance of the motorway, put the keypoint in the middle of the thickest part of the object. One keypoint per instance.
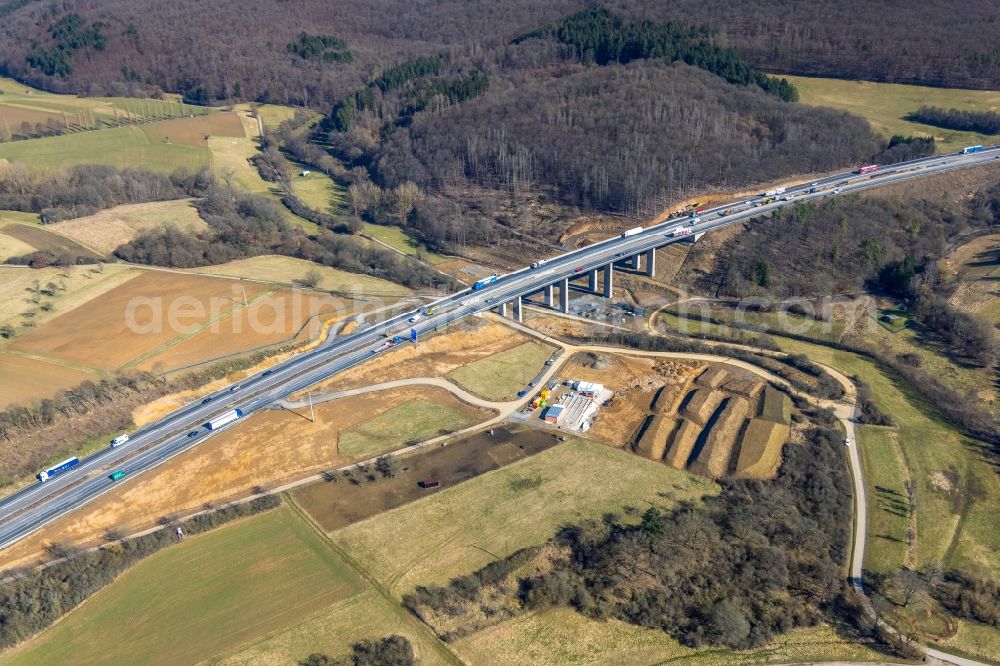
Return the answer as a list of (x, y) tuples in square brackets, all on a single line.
[(32, 507)]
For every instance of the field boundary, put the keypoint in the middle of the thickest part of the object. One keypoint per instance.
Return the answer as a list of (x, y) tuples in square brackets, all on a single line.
[(365, 575)]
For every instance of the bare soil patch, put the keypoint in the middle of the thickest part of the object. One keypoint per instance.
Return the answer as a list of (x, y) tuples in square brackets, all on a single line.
[(433, 356), (339, 502), (195, 131)]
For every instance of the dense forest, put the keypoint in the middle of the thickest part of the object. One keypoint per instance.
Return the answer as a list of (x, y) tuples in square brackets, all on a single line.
[(738, 569), (843, 245), (213, 50), (624, 138)]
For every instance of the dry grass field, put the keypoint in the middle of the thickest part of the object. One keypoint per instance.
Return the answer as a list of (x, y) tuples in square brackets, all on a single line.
[(128, 321), (40, 238), (273, 447), (24, 380), (285, 315), (13, 247), (106, 230), (75, 286), (434, 356), (563, 636), (287, 270)]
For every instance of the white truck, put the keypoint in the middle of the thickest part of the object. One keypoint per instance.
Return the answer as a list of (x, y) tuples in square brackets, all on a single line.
[(773, 193), (119, 440), (632, 232), (224, 419)]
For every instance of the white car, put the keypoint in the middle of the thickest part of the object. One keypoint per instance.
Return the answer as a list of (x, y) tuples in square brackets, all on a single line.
[(836, 190), (847, 442), (415, 318)]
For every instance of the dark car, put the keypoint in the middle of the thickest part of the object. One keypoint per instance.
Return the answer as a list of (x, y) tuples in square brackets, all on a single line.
[(579, 270), (193, 433), (266, 373), (206, 401)]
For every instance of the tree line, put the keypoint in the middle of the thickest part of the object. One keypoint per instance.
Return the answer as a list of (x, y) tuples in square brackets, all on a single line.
[(392, 650), (86, 189), (983, 122), (242, 225), (734, 570), (33, 601)]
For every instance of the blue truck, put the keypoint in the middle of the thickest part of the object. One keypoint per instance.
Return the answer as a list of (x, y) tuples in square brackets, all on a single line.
[(64, 466), (485, 282), (972, 149)]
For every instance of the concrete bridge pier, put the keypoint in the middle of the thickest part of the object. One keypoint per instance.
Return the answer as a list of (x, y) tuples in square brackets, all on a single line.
[(502, 309), (564, 295), (592, 281), (608, 278), (651, 262), (548, 295), (518, 314)]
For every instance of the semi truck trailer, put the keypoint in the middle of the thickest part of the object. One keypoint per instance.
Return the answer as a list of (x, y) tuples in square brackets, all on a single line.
[(64, 466), (224, 419)]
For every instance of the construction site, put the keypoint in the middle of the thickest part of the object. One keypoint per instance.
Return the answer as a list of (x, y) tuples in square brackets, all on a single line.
[(723, 422)]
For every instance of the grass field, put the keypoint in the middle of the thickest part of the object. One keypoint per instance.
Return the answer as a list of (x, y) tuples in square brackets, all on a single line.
[(977, 640), (563, 636), (413, 421), (287, 270), (230, 155), (449, 533), (13, 247), (333, 631), (202, 597), (110, 228), (888, 502), (956, 489), (19, 216), (122, 147), (885, 104), (399, 239), (318, 191), (788, 322), (501, 376)]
